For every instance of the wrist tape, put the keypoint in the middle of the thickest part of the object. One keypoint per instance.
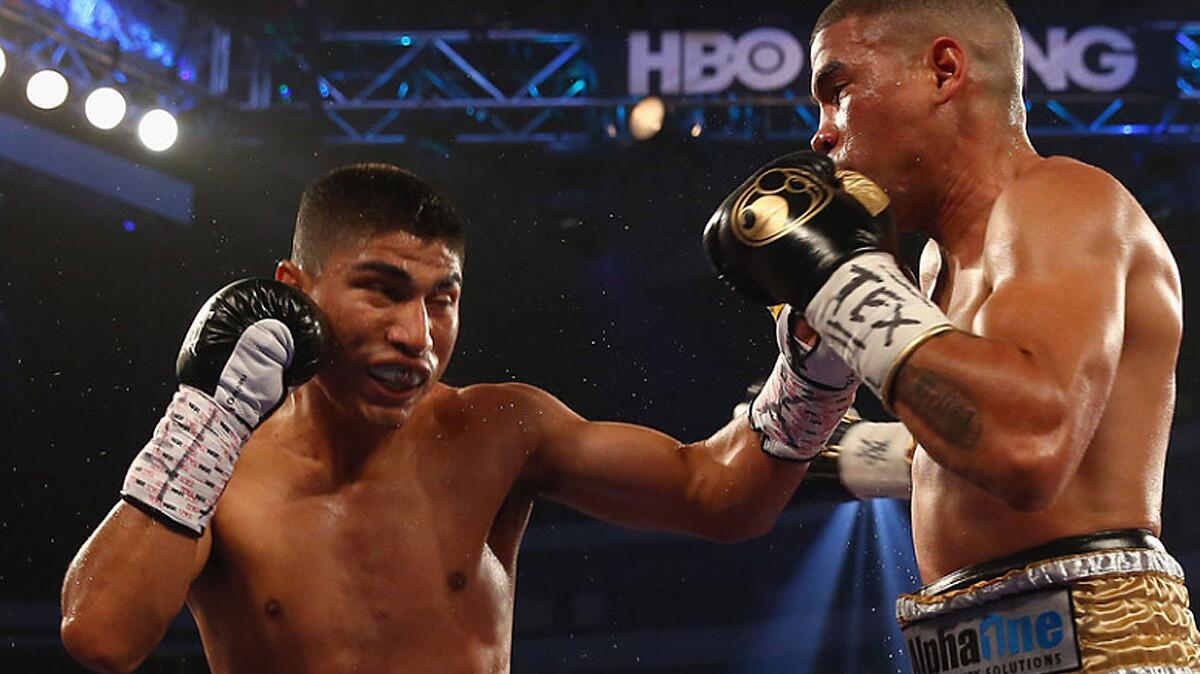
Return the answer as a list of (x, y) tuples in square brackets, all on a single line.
[(874, 459), (804, 398), (183, 469)]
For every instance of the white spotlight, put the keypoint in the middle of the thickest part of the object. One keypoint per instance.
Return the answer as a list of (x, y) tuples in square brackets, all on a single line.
[(646, 118), (158, 130), (47, 89), (3, 62), (105, 108)]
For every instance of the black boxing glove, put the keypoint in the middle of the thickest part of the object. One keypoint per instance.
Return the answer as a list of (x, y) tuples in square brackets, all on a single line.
[(249, 343), (781, 234), (802, 233)]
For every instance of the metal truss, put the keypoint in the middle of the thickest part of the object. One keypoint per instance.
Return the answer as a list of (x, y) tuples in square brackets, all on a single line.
[(178, 62), (536, 87), (1151, 117), (375, 87), (445, 87)]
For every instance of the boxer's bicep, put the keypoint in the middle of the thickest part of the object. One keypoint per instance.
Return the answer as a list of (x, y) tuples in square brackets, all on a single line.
[(1013, 406), (1068, 325), (1059, 286)]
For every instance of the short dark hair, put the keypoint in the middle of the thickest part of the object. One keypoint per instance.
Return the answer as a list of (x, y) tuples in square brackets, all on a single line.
[(367, 199), (841, 9), (987, 27)]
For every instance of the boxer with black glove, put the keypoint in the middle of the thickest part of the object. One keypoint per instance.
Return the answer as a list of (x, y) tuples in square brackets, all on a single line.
[(800, 232), (372, 524), (250, 342)]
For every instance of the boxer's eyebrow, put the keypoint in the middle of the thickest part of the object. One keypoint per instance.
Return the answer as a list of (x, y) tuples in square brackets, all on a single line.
[(450, 282), (384, 268), (401, 276), (821, 80)]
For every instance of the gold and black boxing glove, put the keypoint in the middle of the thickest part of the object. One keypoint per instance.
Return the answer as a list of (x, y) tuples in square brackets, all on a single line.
[(803, 233)]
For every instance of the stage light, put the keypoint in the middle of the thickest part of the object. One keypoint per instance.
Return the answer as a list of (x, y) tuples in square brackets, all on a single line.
[(47, 89), (158, 130), (646, 118), (105, 108), (3, 62)]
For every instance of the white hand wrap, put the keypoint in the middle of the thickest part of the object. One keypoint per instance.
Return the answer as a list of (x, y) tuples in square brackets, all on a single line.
[(874, 318), (875, 460), (805, 397), (184, 468)]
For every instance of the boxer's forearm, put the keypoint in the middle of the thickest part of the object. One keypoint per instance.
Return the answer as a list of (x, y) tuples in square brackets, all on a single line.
[(125, 585), (724, 488), (985, 411), (744, 486)]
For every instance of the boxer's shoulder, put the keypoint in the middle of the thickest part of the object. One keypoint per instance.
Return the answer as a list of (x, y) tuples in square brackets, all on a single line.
[(498, 405), (1062, 192), (1056, 210)]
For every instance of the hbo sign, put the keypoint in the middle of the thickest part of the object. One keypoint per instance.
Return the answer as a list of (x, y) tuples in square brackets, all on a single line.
[(1062, 62), (709, 61)]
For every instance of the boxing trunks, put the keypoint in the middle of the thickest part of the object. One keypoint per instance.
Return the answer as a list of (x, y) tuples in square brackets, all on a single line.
[(1109, 602)]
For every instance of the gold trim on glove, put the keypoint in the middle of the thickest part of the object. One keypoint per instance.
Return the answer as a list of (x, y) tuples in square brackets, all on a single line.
[(885, 391)]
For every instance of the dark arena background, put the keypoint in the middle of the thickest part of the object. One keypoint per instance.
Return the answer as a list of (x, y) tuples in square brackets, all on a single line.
[(584, 272)]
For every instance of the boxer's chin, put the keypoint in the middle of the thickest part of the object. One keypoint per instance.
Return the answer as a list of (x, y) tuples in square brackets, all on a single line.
[(391, 412)]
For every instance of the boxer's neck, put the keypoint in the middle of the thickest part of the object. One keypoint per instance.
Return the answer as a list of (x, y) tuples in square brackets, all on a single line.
[(985, 163), (335, 435)]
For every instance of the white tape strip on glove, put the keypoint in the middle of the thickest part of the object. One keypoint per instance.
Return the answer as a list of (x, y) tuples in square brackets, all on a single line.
[(874, 317)]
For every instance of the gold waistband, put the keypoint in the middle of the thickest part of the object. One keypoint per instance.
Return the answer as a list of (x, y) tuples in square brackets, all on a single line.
[(1038, 575)]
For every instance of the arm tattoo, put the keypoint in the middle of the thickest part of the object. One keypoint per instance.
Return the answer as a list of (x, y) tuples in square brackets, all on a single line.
[(947, 406)]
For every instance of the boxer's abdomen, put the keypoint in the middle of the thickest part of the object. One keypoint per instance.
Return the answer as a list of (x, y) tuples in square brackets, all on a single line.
[(956, 524)]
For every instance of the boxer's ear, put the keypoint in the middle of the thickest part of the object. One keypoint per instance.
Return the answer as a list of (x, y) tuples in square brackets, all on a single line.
[(949, 62), (290, 273)]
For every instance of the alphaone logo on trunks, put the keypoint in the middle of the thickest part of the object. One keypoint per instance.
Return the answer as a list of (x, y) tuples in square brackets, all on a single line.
[(1030, 634), (1093, 58)]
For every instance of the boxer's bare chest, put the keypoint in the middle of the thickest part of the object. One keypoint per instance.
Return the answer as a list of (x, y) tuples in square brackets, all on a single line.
[(950, 516), (958, 291), (415, 555)]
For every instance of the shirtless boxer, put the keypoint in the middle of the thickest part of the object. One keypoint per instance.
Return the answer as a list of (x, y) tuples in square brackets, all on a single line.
[(371, 523), (1036, 368)]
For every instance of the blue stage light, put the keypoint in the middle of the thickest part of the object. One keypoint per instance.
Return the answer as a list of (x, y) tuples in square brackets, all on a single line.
[(804, 605), (113, 21)]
